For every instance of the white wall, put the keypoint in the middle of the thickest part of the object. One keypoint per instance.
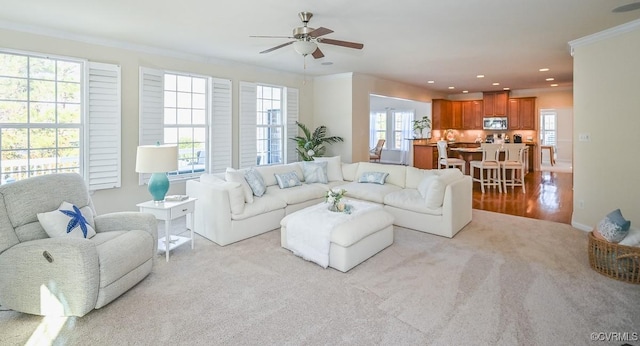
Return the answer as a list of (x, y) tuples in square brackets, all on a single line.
[(333, 108), (606, 106), (130, 59)]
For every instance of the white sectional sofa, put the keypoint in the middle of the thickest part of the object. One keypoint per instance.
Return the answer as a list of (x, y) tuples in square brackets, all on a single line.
[(432, 201)]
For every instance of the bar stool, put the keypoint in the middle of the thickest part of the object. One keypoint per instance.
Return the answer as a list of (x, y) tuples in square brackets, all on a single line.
[(514, 162), (491, 164), (446, 161)]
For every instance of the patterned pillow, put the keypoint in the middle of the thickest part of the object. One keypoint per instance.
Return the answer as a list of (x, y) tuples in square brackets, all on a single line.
[(256, 182), (315, 172), (68, 220), (286, 180), (614, 227), (373, 177)]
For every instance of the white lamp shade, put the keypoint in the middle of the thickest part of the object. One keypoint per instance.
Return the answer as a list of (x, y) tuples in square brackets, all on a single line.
[(305, 47), (157, 158)]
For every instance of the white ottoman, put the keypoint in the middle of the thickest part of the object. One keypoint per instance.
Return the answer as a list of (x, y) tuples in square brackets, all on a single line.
[(353, 240)]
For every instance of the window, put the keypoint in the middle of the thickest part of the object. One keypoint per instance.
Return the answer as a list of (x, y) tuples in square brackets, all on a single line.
[(548, 127), (393, 126), (269, 125), (185, 121), (268, 116), (191, 111), (42, 113)]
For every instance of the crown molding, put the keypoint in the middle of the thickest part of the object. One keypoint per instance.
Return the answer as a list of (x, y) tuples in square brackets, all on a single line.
[(605, 34)]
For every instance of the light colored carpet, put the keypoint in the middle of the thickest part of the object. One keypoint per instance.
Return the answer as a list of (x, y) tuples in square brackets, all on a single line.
[(503, 280)]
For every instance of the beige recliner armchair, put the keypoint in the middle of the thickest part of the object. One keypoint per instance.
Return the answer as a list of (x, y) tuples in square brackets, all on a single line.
[(66, 276)]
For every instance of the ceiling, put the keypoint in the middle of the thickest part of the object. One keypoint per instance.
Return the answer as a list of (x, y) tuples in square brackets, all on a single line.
[(410, 41)]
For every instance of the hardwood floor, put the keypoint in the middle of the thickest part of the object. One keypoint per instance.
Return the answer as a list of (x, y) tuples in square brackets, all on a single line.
[(549, 196)]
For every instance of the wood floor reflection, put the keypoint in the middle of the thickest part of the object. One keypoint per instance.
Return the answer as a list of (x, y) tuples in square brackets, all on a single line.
[(549, 196)]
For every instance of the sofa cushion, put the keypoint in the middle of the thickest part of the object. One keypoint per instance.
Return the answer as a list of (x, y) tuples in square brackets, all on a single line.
[(123, 253), (235, 190), (238, 177), (373, 177), (415, 175), (264, 204), (410, 199), (287, 180), (256, 182), (349, 171), (68, 220), (298, 194), (315, 172), (334, 167), (369, 192), (435, 193), (268, 172), (397, 173)]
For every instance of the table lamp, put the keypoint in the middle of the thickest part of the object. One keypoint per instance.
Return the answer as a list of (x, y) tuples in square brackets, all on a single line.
[(157, 160)]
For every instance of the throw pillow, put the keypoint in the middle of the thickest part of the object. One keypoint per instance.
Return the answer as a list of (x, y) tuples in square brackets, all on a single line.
[(237, 177), (68, 220), (632, 239), (287, 180), (255, 181), (425, 184), (315, 172), (373, 177), (334, 167), (613, 227)]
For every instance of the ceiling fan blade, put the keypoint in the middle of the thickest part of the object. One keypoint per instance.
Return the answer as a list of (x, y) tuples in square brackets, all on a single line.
[(317, 54), (341, 43), (261, 36), (320, 32), (276, 47)]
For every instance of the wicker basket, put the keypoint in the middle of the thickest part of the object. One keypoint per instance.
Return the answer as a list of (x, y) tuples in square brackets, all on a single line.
[(613, 260)]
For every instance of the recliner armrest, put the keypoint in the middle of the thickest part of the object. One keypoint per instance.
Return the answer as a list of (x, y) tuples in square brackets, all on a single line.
[(51, 276), (128, 220)]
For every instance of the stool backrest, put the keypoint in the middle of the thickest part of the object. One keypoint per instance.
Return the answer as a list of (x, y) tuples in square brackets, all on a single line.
[(442, 149), (491, 152), (514, 152)]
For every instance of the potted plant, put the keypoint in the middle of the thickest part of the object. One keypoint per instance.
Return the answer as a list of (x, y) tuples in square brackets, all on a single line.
[(312, 144), (421, 124)]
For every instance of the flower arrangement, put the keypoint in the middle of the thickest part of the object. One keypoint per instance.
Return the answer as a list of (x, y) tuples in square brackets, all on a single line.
[(333, 197)]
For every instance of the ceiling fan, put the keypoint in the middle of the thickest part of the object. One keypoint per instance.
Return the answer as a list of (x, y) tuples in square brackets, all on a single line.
[(307, 39)]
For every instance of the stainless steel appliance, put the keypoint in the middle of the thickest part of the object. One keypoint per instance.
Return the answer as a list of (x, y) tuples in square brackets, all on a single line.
[(517, 138), (498, 123)]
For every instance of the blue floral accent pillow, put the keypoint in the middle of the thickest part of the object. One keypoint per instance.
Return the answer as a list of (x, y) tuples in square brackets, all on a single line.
[(68, 220), (286, 180), (315, 172), (614, 227), (255, 182), (373, 177)]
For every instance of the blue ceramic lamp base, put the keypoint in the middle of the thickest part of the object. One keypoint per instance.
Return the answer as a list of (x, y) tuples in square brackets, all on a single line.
[(158, 186)]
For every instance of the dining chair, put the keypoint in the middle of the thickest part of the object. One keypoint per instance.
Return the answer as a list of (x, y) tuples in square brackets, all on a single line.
[(377, 151), (446, 161), (514, 162), (490, 165)]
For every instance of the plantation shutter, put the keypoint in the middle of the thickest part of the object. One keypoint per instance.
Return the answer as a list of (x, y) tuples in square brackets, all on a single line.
[(103, 126), (248, 123), (220, 130), (151, 111), (291, 128)]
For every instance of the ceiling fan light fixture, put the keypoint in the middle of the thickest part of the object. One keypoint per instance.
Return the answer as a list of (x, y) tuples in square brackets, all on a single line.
[(305, 47)]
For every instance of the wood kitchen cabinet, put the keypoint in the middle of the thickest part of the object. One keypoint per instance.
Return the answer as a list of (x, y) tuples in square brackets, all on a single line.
[(472, 115), (425, 156), (495, 103), (441, 115), (456, 115), (522, 113)]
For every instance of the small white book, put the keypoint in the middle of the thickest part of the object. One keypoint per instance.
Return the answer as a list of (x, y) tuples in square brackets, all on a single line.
[(176, 198)]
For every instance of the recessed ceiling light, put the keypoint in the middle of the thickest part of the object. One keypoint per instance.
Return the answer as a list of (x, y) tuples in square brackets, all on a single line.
[(506, 88), (549, 79), (495, 84), (465, 91), (480, 76), (431, 82), (626, 8), (554, 85), (326, 63), (543, 69), (452, 87)]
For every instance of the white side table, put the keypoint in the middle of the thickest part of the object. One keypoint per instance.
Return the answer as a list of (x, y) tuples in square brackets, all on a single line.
[(168, 211)]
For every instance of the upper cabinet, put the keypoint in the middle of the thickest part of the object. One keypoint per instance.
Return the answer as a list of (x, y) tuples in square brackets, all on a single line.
[(441, 114), (522, 113), (472, 115), (495, 103)]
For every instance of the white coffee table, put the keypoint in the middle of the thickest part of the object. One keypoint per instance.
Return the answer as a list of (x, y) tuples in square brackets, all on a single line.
[(168, 211)]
